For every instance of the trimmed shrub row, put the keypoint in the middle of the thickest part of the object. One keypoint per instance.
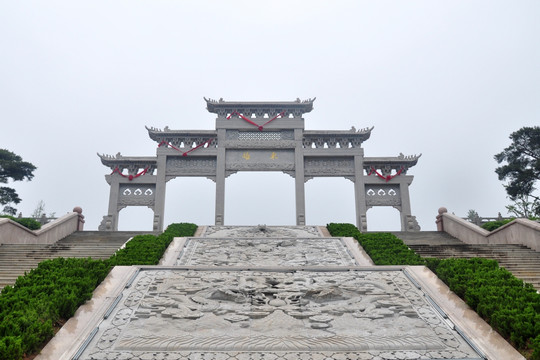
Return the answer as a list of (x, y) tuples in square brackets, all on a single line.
[(492, 225), (510, 306), (53, 291), (383, 248), (148, 249)]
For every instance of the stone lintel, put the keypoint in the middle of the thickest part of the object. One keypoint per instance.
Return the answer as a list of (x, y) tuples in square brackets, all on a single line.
[(235, 123), (332, 152), (401, 179)]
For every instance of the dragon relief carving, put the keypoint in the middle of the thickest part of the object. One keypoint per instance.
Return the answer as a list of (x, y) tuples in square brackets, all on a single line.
[(356, 315)]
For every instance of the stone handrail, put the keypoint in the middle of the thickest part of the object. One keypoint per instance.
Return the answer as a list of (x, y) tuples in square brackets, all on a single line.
[(520, 231), (14, 233)]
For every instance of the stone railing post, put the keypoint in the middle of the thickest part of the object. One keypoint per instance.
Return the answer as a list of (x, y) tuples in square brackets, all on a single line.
[(80, 223), (439, 221)]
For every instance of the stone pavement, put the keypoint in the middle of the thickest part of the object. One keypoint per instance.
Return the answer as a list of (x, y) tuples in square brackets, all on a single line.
[(273, 293)]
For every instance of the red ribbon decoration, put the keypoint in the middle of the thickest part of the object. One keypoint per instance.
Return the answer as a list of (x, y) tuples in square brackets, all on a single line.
[(274, 118), (130, 177), (260, 127), (187, 152), (198, 146), (168, 144), (386, 178)]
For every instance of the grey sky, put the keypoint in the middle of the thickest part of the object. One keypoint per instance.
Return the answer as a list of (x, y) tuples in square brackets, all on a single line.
[(448, 79)]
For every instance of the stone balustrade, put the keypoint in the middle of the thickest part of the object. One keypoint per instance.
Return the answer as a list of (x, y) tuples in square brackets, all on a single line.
[(520, 231), (14, 233)]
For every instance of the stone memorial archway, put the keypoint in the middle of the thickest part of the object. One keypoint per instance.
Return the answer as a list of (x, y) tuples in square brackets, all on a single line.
[(259, 136)]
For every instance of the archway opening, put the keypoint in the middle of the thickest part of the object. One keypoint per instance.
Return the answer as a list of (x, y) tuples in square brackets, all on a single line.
[(383, 218), (136, 218), (190, 199), (253, 198), (330, 199)]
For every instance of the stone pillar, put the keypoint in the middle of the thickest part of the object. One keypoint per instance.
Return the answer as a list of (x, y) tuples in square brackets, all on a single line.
[(439, 221), (220, 179), (112, 214), (405, 205), (408, 222), (360, 192), (159, 205), (299, 181), (80, 222)]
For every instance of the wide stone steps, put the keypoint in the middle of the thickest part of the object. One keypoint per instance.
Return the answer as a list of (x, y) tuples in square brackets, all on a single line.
[(16, 259), (521, 261)]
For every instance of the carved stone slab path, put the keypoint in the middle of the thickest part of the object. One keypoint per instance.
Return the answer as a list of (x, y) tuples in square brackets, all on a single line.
[(286, 293), (290, 314), (261, 231), (265, 252)]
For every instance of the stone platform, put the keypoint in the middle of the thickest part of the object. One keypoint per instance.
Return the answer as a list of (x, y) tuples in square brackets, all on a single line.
[(270, 296)]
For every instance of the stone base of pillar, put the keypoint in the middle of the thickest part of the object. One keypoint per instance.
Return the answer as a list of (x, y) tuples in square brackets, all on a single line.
[(412, 224), (362, 223), (107, 224), (157, 225), (219, 220)]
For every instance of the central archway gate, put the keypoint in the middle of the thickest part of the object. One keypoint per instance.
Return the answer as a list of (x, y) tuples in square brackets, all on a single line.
[(259, 136)]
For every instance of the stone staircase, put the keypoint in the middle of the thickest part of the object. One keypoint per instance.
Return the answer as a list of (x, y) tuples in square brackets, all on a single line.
[(16, 259), (520, 260)]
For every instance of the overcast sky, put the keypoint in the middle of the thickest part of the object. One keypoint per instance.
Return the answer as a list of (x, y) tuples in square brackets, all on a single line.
[(448, 79)]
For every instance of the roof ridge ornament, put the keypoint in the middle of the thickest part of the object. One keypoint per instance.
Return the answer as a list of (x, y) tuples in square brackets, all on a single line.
[(409, 157), (110, 157), (151, 128), (363, 130)]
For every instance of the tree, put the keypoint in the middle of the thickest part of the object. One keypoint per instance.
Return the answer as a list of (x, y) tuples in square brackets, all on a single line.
[(524, 207), (12, 167), (39, 211), (473, 217), (522, 170)]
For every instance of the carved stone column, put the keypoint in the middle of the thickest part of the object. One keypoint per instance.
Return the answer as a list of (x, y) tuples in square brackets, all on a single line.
[(110, 222), (360, 192), (159, 206), (220, 179), (299, 187), (408, 222)]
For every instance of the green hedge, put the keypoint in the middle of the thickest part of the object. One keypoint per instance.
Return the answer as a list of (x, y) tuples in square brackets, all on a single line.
[(52, 291), (148, 249), (492, 225), (383, 248), (56, 288), (26, 222), (511, 307)]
